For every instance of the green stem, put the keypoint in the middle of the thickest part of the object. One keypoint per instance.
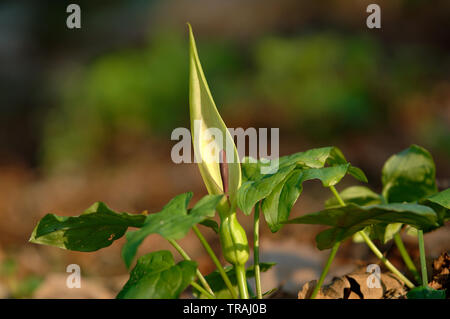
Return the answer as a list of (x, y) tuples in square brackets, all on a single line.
[(333, 252), (250, 291), (383, 259), (202, 290), (256, 252), (374, 248), (186, 257), (325, 269), (336, 194), (423, 261), (406, 258), (242, 282), (216, 261)]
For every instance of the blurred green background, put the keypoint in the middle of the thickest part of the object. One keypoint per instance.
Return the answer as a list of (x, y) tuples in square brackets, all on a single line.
[(86, 114)]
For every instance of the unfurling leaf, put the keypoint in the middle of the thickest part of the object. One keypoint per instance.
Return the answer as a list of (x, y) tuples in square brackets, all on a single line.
[(172, 222), (348, 220), (156, 276), (97, 227)]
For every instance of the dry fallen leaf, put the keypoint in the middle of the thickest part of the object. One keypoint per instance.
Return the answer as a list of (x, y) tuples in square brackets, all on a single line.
[(441, 273), (355, 286)]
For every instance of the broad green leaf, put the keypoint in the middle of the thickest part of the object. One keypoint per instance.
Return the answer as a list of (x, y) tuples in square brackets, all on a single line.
[(363, 196), (348, 220), (409, 175), (252, 192), (329, 176), (359, 195), (172, 222), (97, 227), (425, 293), (156, 276), (279, 191), (277, 206), (217, 284), (251, 169), (440, 203), (205, 119), (314, 158)]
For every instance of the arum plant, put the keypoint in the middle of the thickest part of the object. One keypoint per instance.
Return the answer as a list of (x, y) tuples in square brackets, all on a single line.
[(219, 166), (156, 275), (409, 199)]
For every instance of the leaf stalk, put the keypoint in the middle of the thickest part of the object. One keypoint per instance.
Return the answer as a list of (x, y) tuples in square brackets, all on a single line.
[(256, 252), (406, 257), (242, 282), (423, 261), (216, 261), (384, 260), (325, 269), (200, 276)]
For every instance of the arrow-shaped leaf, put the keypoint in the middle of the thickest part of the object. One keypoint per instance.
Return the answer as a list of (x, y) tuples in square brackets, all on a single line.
[(348, 220), (313, 158), (95, 228), (172, 222), (156, 276), (279, 191), (277, 206), (252, 192)]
